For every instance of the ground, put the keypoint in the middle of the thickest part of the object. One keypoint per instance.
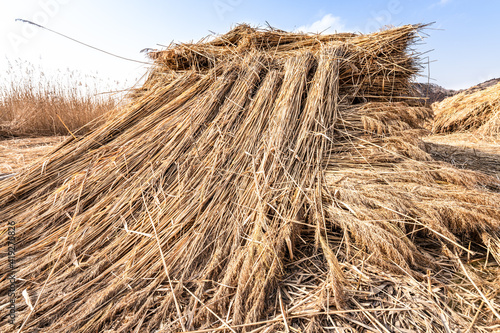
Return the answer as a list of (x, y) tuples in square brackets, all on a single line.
[(465, 151), (21, 152)]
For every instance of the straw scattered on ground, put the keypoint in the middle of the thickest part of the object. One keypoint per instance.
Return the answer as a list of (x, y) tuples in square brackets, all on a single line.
[(466, 151), (19, 153)]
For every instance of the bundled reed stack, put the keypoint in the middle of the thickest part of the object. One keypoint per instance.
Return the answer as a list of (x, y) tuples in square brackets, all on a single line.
[(477, 112), (262, 181)]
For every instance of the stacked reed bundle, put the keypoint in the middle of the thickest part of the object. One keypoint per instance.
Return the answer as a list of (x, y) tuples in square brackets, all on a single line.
[(376, 68), (271, 190), (477, 112)]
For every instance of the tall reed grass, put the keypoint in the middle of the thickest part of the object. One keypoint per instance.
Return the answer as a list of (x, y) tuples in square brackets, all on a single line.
[(33, 103)]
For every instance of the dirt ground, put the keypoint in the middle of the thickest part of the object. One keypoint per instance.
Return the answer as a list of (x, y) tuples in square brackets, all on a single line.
[(465, 151), (21, 152)]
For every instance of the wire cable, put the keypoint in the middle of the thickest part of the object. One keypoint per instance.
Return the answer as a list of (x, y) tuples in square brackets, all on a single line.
[(85, 44)]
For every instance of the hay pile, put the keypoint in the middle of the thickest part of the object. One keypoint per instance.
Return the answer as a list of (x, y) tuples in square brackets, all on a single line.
[(477, 111), (261, 182)]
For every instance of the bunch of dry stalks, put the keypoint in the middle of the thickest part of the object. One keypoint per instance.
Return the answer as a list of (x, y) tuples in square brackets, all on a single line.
[(261, 182), (478, 112)]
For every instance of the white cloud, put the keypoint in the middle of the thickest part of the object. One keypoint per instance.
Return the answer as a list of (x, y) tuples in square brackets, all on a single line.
[(327, 24), (441, 3)]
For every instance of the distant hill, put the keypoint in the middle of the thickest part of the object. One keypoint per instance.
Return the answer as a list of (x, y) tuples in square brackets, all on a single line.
[(436, 93), (481, 86)]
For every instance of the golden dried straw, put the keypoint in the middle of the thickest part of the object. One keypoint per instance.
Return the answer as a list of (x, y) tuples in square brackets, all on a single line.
[(477, 112)]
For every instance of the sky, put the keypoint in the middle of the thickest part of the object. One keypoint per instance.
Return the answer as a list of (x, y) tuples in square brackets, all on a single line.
[(463, 44)]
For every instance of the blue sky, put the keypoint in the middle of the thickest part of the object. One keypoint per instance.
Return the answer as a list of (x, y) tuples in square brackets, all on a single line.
[(465, 38)]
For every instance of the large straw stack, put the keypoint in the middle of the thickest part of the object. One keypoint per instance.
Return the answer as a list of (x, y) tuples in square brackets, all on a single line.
[(264, 181), (477, 112)]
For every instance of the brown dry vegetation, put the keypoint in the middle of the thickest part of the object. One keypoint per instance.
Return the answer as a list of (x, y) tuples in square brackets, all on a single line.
[(476, 111), (261, 182), (32, 104)]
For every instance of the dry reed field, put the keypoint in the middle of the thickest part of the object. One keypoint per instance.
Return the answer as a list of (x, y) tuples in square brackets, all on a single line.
[(33, 104), (261, 181)]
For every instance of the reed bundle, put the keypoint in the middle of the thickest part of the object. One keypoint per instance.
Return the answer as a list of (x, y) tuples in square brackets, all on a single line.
[(280, 187), (477, 112)]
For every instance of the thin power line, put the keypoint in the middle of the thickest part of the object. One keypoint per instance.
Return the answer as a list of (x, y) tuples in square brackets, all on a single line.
[(87, 45)]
